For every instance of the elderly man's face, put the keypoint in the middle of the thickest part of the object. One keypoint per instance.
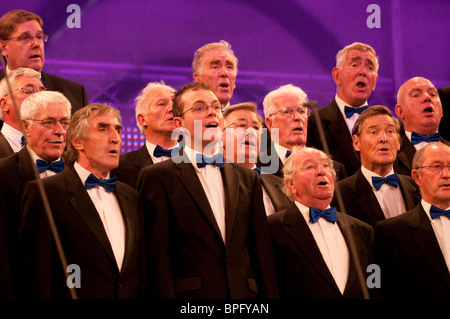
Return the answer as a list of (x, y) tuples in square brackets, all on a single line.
[(420, 107)]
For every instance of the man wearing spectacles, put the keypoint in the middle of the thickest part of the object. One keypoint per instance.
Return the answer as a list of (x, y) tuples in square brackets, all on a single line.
[(241, 144), (376, 192), (286, 118), (154, 117), (420, 109), (208, 236), (24, 82), (355, 76), (44, 117), (22, 42), (412, 249)]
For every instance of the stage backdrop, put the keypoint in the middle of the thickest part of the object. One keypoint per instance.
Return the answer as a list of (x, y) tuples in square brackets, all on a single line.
[(116, 47)]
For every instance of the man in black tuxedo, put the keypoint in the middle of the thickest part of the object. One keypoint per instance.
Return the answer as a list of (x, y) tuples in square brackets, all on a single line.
[(355, 75), (241, 143), (45, 118), (444, 126), (205, 223), (286, 119), (98, 219), (23, 81), (420, 109), (412, 249), (22, 45), (317, 251), (375, 192), (154, 118)]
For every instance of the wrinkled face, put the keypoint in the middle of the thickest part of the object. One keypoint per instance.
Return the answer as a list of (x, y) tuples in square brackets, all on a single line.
[(435, 184), (218, 71), (241, 136), (99, 151), (203, 126), (313, 184), (357, 77), (30, 55), (48, 142), (159, 117), (378, 142), (292, 128), (419, 106), (20, 91)]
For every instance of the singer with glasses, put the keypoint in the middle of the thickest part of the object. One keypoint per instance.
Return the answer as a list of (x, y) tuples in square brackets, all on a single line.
[(413, 248), (317, 250), (22, 82), (420, 109), (99, 219), (376, 191), (44, 149), (22, 44)]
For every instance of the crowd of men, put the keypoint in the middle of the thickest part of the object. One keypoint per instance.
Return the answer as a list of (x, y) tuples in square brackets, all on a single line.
[(221, 202)]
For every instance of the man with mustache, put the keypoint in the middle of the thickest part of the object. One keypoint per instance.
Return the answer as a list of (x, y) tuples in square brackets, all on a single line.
[(412, 249), (216, 65), (205, 219), (355, 75), (420, 109), (97, 217), (375, 192), (45, 118), (22, 42), (154, 118)]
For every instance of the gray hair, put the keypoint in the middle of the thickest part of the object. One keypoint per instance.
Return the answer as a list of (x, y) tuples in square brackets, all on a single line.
[(288, 89), (198, 55), (340, 56), (36, 102)]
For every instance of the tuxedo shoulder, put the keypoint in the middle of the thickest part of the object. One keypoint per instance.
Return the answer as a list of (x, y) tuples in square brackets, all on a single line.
[(354, 221), (6, 162), (126, 157), (402, 220), (62, 80)]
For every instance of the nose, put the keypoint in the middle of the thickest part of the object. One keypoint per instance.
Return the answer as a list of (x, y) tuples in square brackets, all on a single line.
[(446, 171), (58, 129)]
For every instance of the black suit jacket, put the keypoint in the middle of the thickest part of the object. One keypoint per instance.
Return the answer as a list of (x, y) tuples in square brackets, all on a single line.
[(187, 257), (411, 262), (270, 163), (5, 148), (403, 162), (337, 135), (444, 126), (273, 186), (84, 241), (130, 164), (301, 270), (360, 201)]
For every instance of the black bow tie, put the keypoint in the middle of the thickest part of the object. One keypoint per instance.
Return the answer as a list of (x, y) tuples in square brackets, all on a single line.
[(436, 212), (216, 160), (390, 179), (108, 184), (349, 111), (56, 167), (416, 138), (329, 214), (160, 151)]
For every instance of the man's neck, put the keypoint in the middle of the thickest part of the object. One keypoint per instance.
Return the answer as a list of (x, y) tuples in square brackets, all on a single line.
[(162, 140), (380, 169)]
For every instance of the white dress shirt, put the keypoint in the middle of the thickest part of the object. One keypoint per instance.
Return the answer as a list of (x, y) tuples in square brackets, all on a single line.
[(441, 228), (389, 197), (109, 212), (349, 121), (151, 148), (331, 244), (281, 151), (267, 202), (13, 136), (211, 180)]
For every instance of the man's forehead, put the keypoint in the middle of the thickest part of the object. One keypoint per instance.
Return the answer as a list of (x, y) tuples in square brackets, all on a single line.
[(218, 55), (201, 95), (24, 26)]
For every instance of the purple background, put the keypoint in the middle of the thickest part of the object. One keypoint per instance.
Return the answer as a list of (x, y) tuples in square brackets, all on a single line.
[(123, 45)]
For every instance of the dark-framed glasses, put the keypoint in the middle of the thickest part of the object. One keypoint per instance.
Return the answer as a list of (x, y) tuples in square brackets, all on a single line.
[(50, 123), (436, 168), (29, 89), (27, 38), (289, 111), (201, 109)]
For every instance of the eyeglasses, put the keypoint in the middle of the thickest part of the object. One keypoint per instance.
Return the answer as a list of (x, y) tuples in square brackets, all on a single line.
[(244, 124), (25, 39), (51, 123), (201, 109), (29, 89), (289, 111), (312, 167), (436, 168)]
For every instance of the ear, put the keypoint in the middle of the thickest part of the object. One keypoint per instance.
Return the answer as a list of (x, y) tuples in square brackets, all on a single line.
[(178, 122), (356, 143), (336, 76), (399, 111), (26, 127), (77, 143), (416, 176), (4, 105), (196, 77), (141, 120), (290, 185), (268, 122), (4, 50)]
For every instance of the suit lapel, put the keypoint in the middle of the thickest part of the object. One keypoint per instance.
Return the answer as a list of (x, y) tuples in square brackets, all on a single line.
[(410, 194), (83, 206), (25, 171), (231, 190), (143, 158), (301, 235)]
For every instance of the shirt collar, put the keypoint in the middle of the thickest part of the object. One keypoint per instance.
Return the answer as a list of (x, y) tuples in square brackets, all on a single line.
[(368, 174)]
